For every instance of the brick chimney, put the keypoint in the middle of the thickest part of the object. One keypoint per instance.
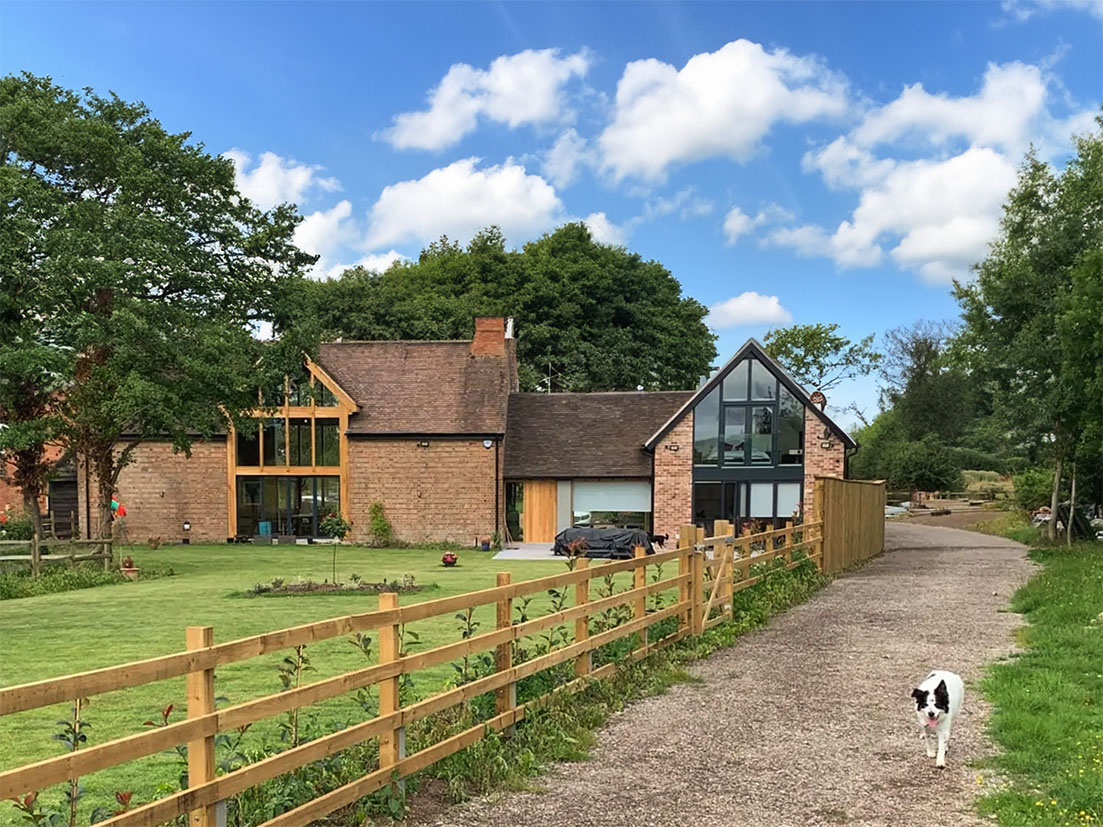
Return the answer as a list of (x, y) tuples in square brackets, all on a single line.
[(490, 336)]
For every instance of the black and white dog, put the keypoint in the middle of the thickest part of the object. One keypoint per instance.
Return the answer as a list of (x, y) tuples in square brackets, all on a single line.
[(937, 702)]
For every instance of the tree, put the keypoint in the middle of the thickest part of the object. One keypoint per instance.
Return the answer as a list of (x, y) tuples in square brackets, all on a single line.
[(1032, 315), (931, 394), (146, 271), (589, 316), (819, 357)]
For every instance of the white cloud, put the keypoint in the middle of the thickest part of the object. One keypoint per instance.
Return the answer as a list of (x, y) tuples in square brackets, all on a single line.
[(720, 104), (377, 263), (568, 154), (749, 308), (936, 215), (943, 213), (276, 180), (1025, 9), (1001, 114), (460, 199), (684, 202), (605, 231), (525, 88), (737, 223)]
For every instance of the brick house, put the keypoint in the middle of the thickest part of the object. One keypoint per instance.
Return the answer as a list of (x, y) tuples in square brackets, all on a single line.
[(439, 435)]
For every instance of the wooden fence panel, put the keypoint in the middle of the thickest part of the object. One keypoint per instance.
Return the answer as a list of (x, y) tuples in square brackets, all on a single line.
[(853, 517)]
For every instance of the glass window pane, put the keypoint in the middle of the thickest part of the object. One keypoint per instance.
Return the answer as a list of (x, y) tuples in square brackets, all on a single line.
[(735, 435), (275, 449), (788, 500), (706, 504), (763, 383), (300, 441), (706, 429), (302, 506), (248, 506), (762, 435), (248, 444), (323, 396), (735, 383), (271, 515), (762, 500), (329, 496), (327, 443), (790, 439)]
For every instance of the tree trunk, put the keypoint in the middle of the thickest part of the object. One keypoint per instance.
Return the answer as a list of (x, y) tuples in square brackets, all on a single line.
[(1072, 507), (103, 467), (30, 505), (1052, 531)]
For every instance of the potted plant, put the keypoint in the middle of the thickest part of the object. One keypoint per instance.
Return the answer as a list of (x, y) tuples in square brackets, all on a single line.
[(484, 544), (129, 570), (449, 559)]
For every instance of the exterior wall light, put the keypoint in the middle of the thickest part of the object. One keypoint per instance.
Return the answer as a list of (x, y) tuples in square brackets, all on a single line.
[(423, 444), (672, 447), (186, 540)]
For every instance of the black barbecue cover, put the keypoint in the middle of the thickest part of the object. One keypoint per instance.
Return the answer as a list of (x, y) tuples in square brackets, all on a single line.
[(608, 543)]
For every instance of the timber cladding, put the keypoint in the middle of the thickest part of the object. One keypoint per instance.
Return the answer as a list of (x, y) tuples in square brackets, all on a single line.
[(538, 519)]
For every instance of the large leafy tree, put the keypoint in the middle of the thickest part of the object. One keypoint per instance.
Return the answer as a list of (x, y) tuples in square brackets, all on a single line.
[(589, 316), (821, 357), (135, 273), (1032, 316)]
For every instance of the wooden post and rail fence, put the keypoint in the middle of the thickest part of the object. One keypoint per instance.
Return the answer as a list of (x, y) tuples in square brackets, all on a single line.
[(709, 571), (33, 556)]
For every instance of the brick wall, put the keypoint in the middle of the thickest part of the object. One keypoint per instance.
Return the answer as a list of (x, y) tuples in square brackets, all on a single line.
[(445, 491), (818, 460), (161, 490), (11, 494), (673, 483)]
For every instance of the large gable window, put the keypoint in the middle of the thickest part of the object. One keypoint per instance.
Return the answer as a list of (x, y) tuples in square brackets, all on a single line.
[(750, 422)]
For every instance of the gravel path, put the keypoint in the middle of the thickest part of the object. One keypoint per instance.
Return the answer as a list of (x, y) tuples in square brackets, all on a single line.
[(807, 721)]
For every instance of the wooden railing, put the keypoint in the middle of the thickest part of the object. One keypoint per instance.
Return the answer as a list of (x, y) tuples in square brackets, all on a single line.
[(100, 550), (709, 571)]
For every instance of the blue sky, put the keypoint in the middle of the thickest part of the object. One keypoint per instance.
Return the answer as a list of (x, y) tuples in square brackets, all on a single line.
[(789, 162)]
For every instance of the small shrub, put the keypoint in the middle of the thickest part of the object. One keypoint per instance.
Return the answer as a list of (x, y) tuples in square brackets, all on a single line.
[(1033, 488), (60, 578), (380, 526), (334, 525), (15, 525)]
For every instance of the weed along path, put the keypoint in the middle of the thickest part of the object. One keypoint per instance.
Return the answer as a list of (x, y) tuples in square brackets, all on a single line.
[(807, 721)]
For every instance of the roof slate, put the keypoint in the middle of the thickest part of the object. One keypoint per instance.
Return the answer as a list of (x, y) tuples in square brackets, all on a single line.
[(427, 388), (561, 435)]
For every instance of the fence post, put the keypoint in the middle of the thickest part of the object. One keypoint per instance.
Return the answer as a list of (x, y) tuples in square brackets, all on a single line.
[(819, 516), (724, 551), (505, 698), (584, 662), (392, 743), (697, 583), (687, 535), (639, 581), (200, 686)]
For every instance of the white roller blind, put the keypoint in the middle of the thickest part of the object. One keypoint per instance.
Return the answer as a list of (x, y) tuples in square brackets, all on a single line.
[(612, 496)]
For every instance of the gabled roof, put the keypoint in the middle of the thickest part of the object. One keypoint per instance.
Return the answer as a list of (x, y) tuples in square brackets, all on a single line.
[(565, 435), (420, 388), (751, 347)]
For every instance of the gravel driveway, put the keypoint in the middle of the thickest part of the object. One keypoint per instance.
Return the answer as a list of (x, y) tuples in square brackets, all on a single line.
[(807, 721)]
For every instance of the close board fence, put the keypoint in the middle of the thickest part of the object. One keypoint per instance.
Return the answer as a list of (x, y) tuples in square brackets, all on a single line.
[(709, 571)]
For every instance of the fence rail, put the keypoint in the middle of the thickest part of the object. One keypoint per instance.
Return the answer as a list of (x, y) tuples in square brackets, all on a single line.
[(36, 559), (710, 570)]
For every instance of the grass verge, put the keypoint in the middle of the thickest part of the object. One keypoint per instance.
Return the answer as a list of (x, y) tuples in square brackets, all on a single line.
[(1048, 701)]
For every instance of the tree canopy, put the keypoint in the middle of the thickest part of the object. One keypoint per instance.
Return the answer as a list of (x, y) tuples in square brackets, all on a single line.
[(134, 273), (589, 316), (819, 356)]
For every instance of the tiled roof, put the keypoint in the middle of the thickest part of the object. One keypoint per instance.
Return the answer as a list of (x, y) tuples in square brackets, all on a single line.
[(584, 434), (421, 387)]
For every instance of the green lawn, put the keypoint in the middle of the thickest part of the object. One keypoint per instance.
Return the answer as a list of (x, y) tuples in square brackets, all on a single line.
[(1048, 715), (70, 632)]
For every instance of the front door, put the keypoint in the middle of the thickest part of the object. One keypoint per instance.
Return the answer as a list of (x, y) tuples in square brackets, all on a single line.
[(538, 518)]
